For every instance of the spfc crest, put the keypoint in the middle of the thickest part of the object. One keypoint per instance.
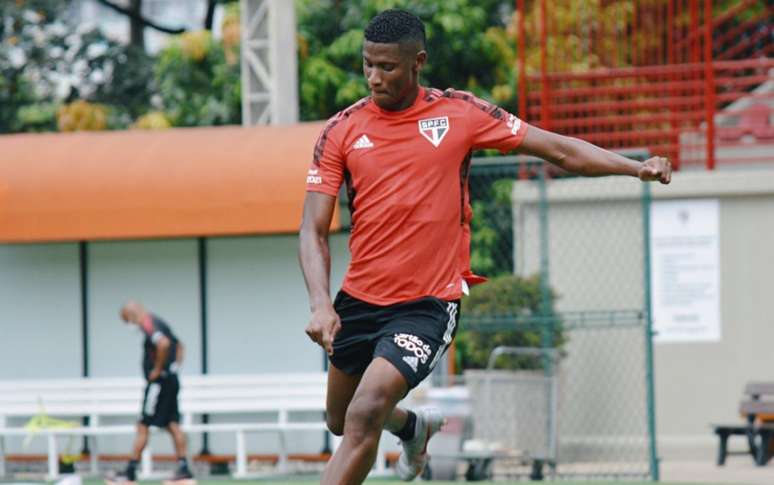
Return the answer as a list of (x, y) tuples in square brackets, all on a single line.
[(434, 129)]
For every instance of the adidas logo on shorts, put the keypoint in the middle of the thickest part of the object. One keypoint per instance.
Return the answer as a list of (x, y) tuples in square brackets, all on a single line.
[(362, 142), (411, 361)]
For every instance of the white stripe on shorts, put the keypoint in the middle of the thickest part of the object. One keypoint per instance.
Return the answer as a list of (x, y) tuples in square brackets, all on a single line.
[(152, 399), (451, 309)]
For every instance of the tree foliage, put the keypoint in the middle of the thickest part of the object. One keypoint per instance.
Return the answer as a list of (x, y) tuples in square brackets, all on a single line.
[(465, 44), (196, 83), (47, 62)]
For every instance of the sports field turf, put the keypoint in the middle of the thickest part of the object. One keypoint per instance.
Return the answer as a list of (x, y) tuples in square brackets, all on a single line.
[(313, 481)]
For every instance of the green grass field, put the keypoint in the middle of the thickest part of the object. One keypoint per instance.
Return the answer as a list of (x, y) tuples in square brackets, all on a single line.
[(313, 481)]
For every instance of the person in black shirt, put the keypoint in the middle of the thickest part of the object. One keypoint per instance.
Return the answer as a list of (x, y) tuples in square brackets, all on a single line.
[(162, 356)]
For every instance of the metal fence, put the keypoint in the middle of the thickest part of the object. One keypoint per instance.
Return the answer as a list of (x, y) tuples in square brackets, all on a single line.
[(567, 261), (686, 78)]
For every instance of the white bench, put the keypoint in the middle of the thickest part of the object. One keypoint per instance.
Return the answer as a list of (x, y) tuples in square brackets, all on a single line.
[(98, 398)]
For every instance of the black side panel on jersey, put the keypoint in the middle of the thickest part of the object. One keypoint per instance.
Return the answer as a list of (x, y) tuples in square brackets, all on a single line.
[(351, 193), (464, 172)]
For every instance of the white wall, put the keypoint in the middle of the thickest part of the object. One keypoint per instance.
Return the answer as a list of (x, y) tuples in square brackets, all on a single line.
[(40, 311), (258, 306), (709, 377), (596, 263), (257, 311), (163, 276)]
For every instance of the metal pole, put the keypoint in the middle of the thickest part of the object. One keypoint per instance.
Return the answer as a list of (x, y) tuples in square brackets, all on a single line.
[(671, 59), (709, 85), (83, 257), (284, 64), (633, 45), (671, 32), (522, 72), (547, 324), (544, 95), (545, 289), (247, 118), (522, 44), (202, 246), (649, 364), (694, 35)]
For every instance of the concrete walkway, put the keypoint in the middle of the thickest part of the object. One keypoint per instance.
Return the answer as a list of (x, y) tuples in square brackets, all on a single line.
[(737, 471)]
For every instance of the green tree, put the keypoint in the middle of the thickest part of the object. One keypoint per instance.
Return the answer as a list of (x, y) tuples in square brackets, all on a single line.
[(492, 226), (46, 61), (466, 40), (22, 107), (197, 84)]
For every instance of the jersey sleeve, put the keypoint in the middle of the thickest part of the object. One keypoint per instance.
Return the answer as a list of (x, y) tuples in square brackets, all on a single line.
[(161, 329), (327, 169), (494, 127)]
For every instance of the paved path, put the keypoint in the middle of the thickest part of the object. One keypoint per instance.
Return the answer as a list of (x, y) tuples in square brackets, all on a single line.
[(737, 471)]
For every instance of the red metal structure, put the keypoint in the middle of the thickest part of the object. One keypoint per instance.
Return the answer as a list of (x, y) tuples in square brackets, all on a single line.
[(689, 79)]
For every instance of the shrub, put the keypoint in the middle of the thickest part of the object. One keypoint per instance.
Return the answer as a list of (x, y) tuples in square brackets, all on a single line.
[(506, 311)]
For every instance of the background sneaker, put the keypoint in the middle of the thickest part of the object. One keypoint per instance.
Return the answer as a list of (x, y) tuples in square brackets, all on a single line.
[(120, 479), (181, 477)]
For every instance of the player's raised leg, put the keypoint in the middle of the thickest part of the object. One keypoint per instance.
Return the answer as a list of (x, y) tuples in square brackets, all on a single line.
[(379, 390)]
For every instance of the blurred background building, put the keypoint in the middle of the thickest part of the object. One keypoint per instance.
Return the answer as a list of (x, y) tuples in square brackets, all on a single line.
[(204, 233)]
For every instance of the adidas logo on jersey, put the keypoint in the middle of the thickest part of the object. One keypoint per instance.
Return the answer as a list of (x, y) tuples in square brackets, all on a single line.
[(362, 142), (411, 361)]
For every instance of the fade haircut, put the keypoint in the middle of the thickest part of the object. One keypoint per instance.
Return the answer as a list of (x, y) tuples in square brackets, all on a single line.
[(396, 26)]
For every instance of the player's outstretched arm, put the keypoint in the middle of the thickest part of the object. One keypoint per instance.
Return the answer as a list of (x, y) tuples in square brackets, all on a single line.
[(583, 158), (315, 259)]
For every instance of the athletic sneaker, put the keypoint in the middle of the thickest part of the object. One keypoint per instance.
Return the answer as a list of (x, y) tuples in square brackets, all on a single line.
[(413, 457), (126, 478), (182, 477)]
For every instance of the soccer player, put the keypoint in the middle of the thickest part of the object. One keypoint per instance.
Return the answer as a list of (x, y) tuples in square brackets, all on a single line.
[(404, 155), (162, 356)]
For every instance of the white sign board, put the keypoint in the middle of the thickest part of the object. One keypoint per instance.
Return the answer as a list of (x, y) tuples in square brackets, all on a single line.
[(685, 270)]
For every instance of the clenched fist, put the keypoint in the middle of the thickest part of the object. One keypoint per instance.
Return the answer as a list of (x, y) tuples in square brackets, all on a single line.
[(323, 327), (656, 168)]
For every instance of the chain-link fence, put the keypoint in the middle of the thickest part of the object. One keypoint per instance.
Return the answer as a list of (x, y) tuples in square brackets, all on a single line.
[(568, 392)]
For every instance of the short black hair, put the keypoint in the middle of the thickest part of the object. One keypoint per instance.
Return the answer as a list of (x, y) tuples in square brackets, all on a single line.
[(396, 26)]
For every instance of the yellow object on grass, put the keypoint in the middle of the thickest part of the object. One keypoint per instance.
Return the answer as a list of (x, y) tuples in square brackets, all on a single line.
[(43, 422)]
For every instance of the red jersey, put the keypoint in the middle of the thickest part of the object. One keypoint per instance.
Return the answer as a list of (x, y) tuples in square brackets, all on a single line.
[(406, 176)]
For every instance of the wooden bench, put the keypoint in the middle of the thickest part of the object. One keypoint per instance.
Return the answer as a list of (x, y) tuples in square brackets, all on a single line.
[(278, 395), (757, 407)]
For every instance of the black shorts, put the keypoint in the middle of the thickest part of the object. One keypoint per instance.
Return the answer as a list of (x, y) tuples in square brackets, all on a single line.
[(412, 336), (159, 403)]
